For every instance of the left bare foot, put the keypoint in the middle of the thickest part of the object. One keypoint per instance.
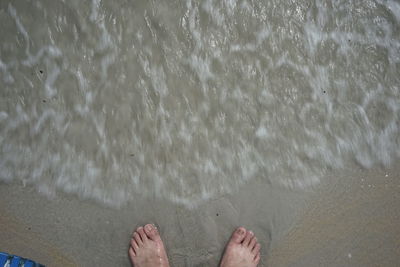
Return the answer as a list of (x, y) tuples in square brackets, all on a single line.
[(147, 248)]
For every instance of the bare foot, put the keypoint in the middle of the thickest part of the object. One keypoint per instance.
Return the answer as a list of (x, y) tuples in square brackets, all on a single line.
[(147, 248), (242, 250)]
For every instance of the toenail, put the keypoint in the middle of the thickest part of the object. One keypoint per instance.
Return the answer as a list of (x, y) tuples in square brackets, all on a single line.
[(251, 233), (149, 227), (240, 231)]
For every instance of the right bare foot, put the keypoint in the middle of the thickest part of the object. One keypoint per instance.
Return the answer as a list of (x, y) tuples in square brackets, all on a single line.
[(147, 248), (242, 250)]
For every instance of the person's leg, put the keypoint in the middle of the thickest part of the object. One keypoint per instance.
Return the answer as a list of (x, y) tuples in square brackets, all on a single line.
[(242, 250), (147, 249)]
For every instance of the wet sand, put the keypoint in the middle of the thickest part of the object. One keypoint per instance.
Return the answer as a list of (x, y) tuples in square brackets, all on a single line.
[(352, 220)]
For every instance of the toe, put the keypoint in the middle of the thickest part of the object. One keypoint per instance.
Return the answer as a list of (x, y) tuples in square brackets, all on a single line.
[(134, 245), (132, 253), (151, 232), (137, 238), (238, 235), (142, 234), (246, 241), (252, 243), (256, 249), (257, 258)]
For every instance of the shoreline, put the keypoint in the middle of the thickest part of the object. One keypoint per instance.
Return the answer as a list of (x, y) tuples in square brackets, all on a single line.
[(295, 229)]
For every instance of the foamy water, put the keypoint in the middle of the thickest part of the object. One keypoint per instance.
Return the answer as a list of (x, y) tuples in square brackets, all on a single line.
[(189, 100)]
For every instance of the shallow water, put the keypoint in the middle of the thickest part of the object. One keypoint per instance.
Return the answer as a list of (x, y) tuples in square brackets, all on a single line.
[(188, 100)]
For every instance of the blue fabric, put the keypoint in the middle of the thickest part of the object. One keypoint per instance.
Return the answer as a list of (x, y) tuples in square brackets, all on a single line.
[(15, 261), (3, 259)]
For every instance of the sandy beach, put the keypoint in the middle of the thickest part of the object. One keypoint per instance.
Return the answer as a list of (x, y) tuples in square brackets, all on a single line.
[(200, 117), (350, 221)]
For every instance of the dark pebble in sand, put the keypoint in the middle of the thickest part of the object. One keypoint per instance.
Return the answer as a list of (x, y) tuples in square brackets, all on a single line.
[(40, 71), (44, 100), (132, 155), (217, 214), (324, 92)]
